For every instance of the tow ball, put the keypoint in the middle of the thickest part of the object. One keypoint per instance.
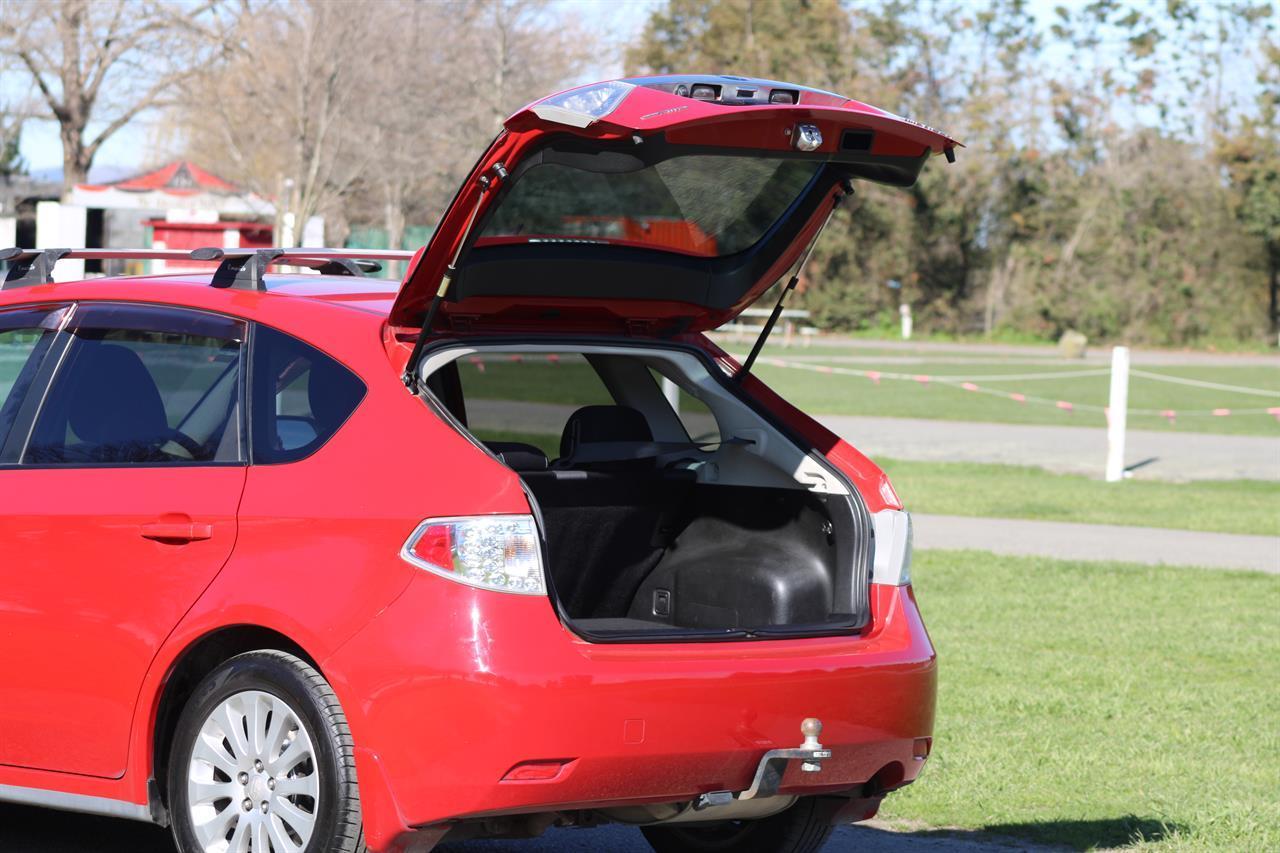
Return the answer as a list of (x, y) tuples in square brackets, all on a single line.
[(772, 766)]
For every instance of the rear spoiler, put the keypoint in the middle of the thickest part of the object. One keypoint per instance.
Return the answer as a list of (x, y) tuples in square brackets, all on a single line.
[(239, 268)]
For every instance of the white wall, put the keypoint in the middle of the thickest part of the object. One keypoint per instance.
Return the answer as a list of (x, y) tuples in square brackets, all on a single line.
[(62, 226)]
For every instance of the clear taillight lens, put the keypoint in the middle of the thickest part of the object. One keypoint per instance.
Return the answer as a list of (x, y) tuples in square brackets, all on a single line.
[(498, 552)]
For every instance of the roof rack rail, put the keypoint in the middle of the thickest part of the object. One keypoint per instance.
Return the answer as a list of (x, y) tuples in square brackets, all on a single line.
[(244, 268), (35, 266)]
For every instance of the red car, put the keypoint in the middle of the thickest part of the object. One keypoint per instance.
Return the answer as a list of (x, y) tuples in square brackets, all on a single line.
[(298, 562)]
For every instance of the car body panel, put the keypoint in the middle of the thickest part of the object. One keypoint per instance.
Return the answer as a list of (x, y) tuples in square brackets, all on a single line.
[(634, 723), (78, 639)]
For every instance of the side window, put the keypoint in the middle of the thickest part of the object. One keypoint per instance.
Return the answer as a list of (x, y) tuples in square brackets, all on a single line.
[(143, 385), (527, 398), (300, 397), (26, 335)]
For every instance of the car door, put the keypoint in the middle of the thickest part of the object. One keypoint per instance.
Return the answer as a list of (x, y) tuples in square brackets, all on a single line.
[(119, 485)]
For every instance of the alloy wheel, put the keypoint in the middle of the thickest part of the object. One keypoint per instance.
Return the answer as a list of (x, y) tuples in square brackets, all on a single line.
[(253, 782)]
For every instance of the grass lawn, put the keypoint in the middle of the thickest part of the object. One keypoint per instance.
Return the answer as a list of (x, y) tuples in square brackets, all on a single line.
[(851, 395), (1011, 491), (1101, 704)]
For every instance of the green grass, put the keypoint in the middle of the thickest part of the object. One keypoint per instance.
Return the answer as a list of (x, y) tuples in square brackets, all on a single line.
[(853, 395), (1011, 491), (1101, 704)]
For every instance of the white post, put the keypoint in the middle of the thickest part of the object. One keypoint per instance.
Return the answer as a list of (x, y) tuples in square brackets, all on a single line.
[(671, 391), (1118, 413), (904, 310)]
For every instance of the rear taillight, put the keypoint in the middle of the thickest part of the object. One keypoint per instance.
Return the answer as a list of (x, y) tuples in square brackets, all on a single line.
[(498, 552)]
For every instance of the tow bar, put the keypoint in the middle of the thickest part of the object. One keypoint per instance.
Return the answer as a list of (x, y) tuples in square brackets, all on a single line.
[(772, 766)]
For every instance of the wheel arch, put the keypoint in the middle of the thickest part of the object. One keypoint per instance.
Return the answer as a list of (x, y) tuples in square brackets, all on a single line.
[(195, 661)]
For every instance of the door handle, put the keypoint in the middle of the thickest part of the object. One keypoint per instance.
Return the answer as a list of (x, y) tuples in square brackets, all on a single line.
[(177, 528)]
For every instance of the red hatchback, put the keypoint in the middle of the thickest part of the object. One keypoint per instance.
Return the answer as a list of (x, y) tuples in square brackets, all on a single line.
[(584, 569)]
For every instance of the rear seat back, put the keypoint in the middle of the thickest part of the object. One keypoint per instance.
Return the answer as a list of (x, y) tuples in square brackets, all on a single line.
[(519, 456)]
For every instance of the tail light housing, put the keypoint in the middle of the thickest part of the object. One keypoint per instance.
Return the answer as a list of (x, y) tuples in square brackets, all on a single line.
[(497, 552)]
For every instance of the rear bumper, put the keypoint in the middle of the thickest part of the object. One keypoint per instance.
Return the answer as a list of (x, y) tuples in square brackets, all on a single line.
[(451, 687)]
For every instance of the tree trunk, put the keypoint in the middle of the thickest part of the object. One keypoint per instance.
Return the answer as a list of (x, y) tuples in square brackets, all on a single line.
[(1273, 258), (76, 159), (393, 218)]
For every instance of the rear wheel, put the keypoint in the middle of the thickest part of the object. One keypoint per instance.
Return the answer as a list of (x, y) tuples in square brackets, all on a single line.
[(803, 828), (262, 762)]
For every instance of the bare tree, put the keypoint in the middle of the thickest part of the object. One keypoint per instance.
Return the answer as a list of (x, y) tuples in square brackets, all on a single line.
[(473, 64), (288, 109), (101, 62)]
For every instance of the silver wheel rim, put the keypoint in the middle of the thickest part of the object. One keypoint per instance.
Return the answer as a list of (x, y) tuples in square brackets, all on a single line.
[(253, 784)]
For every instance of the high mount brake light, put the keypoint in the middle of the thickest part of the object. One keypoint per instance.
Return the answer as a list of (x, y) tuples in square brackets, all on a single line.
[(498, 552), (585, 105)]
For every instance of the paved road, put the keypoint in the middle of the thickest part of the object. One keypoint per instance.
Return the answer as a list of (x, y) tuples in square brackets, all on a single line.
[(1070, 450), (26, 830), (1148, 545)]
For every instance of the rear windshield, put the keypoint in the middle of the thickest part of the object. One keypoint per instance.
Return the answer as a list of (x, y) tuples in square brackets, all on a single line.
[(696, 204)]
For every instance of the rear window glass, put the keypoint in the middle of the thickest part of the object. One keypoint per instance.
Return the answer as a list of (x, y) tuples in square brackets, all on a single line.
[(697, 204), (300, 397)]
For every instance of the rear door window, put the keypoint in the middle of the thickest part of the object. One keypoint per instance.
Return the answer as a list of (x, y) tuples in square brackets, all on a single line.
[(143, 385), (301, 397)]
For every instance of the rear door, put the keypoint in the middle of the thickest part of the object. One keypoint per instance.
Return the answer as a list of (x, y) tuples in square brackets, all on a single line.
[(117, 508), (651, 206)]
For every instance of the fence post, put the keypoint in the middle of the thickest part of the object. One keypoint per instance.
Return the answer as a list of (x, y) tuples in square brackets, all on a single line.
[(1117, 413)]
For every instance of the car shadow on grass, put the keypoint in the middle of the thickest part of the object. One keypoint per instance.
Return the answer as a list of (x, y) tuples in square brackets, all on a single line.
[(1105, 833), (1090, 834)]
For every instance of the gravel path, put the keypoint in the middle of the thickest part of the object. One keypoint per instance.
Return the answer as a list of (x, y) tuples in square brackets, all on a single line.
[(1063, 540), (1072, 450)]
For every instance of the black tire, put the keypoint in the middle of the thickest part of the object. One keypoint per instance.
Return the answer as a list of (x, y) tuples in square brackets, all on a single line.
[(803, 828), (337, 826)]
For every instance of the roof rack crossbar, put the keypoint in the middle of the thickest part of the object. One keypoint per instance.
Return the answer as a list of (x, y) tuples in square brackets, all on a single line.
[(244, 268), (238, 267), (30, 266)]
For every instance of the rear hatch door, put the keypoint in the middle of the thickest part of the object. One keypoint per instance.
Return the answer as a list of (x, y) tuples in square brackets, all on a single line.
[(650, 206)]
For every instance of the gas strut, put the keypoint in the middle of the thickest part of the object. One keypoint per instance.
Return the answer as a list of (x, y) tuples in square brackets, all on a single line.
[(791, 285), (410, 377)]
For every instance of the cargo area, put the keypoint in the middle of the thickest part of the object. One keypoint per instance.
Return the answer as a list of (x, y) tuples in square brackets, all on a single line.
[(671, 507)]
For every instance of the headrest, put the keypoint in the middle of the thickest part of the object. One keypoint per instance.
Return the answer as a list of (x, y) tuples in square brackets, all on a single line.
[(115, 401), (592, 424), (518, 456)]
